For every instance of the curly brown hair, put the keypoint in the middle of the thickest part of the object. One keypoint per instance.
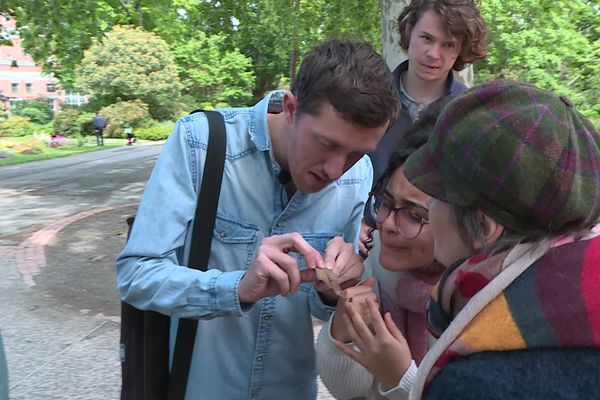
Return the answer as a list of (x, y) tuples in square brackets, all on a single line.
[(462, 20)]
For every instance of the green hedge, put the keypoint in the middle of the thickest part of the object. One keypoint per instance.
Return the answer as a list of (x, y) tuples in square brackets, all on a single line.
[(158, 131), (133, 112)]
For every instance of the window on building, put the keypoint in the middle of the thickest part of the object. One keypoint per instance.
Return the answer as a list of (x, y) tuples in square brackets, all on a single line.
[(75, 99), (50, 87), (29, 87), (15, 87)]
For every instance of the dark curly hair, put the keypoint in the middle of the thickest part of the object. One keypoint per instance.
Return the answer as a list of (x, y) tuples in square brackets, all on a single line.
[(462, 20)]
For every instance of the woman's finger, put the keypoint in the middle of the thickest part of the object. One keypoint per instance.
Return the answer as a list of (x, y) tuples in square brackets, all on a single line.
[(393, 328), (377, 321), (361, 327)]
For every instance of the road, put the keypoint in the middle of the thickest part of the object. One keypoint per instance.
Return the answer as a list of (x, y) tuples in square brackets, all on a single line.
[(39, 193), (60, 313), (61, 225)]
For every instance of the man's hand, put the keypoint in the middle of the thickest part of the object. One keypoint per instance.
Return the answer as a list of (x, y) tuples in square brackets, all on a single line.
[(273, 271), (357, 296), (346, 265), (382, 349)]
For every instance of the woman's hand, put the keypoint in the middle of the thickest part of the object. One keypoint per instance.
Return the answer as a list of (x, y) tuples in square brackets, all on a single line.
[(382, 349), (357, 296)]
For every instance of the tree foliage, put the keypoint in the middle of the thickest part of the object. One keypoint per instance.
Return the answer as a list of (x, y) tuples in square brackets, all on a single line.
[(227, 51), (55, 33), (275, 33), (212, 74), (271, 33), (131, 64), (553, 44)]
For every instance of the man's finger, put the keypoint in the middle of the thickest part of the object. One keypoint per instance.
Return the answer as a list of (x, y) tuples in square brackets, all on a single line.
[(332, 251), (295, 242), (288, 265)]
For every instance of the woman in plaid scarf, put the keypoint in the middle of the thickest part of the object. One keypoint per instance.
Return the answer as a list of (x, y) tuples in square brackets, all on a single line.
[(514, 178)]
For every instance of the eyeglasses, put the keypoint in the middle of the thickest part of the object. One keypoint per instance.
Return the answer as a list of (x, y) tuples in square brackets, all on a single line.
[(408, 222)]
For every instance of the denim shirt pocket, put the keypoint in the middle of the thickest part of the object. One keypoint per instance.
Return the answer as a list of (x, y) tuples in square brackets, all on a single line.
[(319, 242), (234, 244)]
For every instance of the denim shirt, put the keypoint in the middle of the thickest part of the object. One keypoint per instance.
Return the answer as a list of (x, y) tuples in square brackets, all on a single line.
[(242, 351)]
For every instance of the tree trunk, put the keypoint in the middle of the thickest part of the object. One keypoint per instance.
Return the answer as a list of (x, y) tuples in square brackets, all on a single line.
[(294, 58), (390, 39)]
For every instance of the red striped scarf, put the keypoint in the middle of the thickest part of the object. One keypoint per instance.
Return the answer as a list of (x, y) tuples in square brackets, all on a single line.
[(554, 303)]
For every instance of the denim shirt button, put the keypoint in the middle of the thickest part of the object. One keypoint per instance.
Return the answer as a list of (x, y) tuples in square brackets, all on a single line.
[(280, 224), (222, 234), (267, 317), (259, 358)]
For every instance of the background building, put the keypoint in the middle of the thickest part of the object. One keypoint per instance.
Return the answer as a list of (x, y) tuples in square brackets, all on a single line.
[(21, 79)]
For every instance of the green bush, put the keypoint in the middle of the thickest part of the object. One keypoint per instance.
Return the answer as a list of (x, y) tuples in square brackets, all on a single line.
[(159, 131), (84, 120), (35, 115), (133, 112), (72, 122), (38, 111), (80, 140), (18, 126)]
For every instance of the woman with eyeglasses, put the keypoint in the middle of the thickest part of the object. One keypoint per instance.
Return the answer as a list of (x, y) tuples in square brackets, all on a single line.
[(400, 272), (513, 175)]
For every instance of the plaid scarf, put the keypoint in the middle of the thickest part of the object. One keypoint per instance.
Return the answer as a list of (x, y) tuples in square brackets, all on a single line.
[(554, 302)]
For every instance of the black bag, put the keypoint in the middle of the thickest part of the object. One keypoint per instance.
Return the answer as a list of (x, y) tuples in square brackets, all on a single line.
[(144, 343)]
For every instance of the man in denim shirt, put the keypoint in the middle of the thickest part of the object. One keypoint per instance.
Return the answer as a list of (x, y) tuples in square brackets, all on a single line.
[(292, 196)]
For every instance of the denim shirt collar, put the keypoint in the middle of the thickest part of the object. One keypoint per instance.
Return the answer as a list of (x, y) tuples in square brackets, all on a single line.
[(259, 129)]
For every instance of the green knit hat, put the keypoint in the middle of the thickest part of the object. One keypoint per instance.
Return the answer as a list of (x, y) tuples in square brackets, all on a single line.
[(523, 155)]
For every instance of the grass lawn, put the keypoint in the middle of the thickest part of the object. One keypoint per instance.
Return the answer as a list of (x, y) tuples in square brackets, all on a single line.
[(17, 150)]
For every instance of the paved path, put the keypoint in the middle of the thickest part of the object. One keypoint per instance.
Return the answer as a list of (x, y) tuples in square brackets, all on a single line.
[(58, 239)]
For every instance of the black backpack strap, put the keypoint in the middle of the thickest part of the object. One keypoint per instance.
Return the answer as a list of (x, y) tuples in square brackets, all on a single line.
[(202, 231)]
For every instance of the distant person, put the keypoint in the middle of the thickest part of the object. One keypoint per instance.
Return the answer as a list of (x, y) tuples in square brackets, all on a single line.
[(99, 123), (128, 130), (294, 187), (439, 37)]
